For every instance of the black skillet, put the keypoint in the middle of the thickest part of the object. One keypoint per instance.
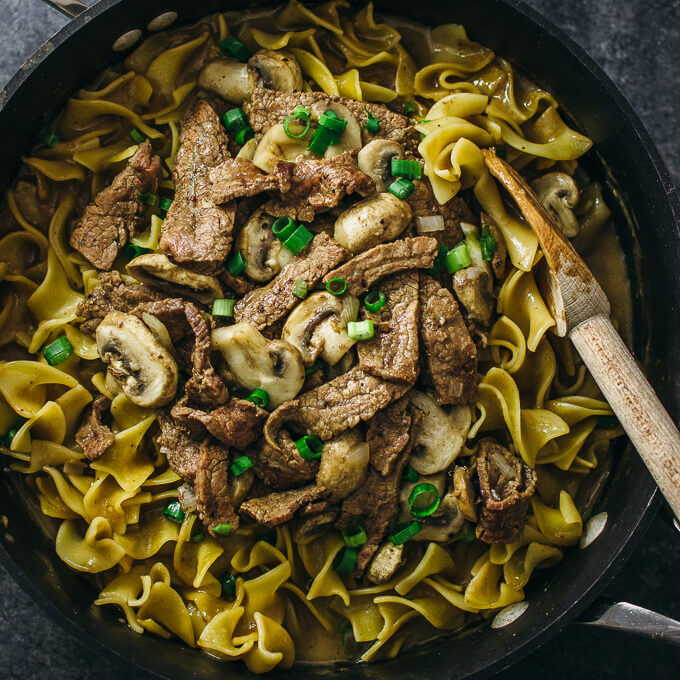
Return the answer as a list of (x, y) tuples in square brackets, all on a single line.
[(624, 158)]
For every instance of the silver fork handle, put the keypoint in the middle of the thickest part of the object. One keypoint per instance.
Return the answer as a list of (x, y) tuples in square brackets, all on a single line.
[(71, 8)]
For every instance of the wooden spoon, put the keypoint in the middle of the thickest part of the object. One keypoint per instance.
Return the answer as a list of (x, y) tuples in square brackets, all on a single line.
[(581, 311)]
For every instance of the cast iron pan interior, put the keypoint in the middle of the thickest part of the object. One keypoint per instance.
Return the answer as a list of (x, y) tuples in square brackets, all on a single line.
[(637, 174)]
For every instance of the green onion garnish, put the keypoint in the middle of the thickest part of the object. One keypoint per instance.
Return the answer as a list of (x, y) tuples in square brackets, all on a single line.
[(132, 250), (404, 168), (332, 122), (49, 138), (300, 289), (11, 433), (173, 511), (360, 330), (243, 135), (302, 115), (58, 351), (458, 258), (424, 500), (321, 140), (298, 239), (259, 397), (372, 124), (228, 583), (316, 366), (165, 204), (345, 560), (409, 474), (409, 107), (487, 243), (336, 286), (439, 262), (236, 264), (354, 536), (148, 199), (283, 228), (240, 465), (222, 529), (223, 307), (198, 536), (374, 300), (401, 188), (137, 135), (235, 48), (309, 447), (469, 536), (404, 532), (234, 120), (606, 422)]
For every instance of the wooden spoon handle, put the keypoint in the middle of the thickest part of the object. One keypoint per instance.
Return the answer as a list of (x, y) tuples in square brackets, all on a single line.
[(634, 402)]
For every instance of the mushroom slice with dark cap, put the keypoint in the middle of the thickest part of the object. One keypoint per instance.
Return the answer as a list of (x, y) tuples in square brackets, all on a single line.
[(559, 195), (375, 159)]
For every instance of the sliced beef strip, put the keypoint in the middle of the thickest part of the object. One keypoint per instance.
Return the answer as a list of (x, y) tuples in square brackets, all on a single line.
[(336, 406), (450, 355), (312, 525), (423, 204), (375, 503), (277, 508), (363, 270), (93, 436), (266, 305), (197, 233), (179, 444), (506, 484), (237, 423), (388, 434), (109, 295), (115, 214), (392, 352), (238, 178), (205, 386), (281, 467)]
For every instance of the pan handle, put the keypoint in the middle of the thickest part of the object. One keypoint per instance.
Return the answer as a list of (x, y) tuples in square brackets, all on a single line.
[(71, 8), (630, 618)]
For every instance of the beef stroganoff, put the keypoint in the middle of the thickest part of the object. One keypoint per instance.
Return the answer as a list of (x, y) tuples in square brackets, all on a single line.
[(275, 365)]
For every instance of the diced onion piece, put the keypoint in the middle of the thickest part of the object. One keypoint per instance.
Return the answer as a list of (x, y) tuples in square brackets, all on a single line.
[(426, 224)]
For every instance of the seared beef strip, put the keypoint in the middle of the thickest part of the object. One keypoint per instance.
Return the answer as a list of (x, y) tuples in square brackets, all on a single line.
[(450, 354), (93, 436), (239, 177), (336, 406), (392, 352), (179, 444), (115, 214), (388, 434), (264, 306), (311, 525), (375, 503), (279, 507), (506, 484), (281, 467), (196, 233), (423, 204), (363, 270)]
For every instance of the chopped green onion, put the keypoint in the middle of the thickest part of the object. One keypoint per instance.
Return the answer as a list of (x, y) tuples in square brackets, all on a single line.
[(223, 308), (58, 351), (240, 465), (243, 135), (409, 474), (236, 264), (606, 422), (336, 286), (132, 250), (321, 140), (49, 138), (235, 48), (409, 107), (404, 532), (404, 168), (487, 243), (300, 289), (469, 536), (165, 204), (298, 239), (372, 124), (198, 536), (458, 258), (302, 115), (330, 121), (424, 500), (316, 366), (309, 447), (173, 511), (234, 120), (345, 560), (11, 433), (137, 135), (360, 330), (401, 188), (439, 262), (222, 529), (148, 199), (228, 583), (259, 397), (354, 536), (374, 300), (283, 228)]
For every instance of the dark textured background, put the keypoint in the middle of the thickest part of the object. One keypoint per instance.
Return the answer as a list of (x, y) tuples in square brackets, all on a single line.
[(638, 44)]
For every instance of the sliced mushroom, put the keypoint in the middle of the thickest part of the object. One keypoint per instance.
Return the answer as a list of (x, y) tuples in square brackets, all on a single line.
[(371, 221), (264, 254), (137, 360), (474, 291), (441, 435), (239, 486), (465, 492), (318, 327), (559, 194), (276, 70), (375, 159), (157, 270), (228, 78), (350, 139), (275, 366), (385, 563), (343, 466)]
